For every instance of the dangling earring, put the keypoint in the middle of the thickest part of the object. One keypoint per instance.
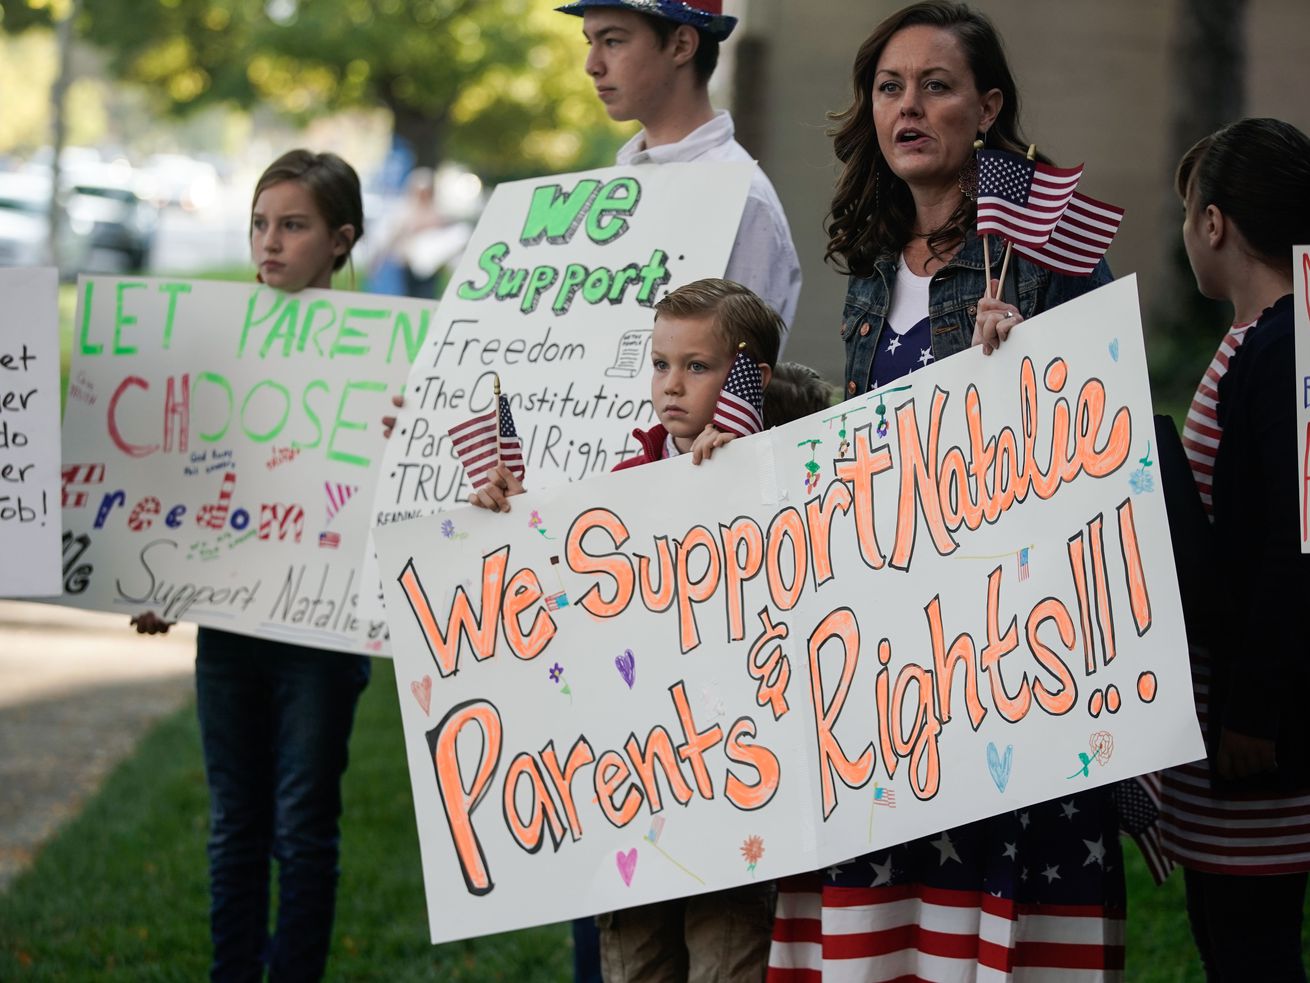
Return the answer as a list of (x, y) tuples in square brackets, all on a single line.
[(969, 172)]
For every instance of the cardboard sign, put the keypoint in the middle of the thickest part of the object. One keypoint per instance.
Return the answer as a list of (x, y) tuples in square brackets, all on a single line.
[(554, 295), (1301, 306), (29, 433), (945, 599), (221, 442)]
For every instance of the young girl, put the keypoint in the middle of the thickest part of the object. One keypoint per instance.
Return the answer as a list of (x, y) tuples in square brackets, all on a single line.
[(275, 719), (1239, 822)]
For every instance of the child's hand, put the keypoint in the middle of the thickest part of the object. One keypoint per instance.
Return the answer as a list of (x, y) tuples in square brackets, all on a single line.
[(996, 319), (495, 494), (702, 448), (149, 623), (1241, 756), (389, 422)]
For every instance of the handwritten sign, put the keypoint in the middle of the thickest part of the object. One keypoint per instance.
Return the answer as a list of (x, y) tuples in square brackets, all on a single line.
[(554, 294), (1301, 304), (925, 606), (29, 433), (220, 444)]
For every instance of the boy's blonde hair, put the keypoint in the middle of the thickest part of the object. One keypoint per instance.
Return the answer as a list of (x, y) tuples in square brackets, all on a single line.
[(739, 315)]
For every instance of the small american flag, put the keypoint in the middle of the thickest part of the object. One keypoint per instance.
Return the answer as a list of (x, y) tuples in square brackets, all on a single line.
[(1020, 199), (740, 409), (1079, 239), (883, 796), (1023, 563), (556, 601), (329, 540), (475, 444)]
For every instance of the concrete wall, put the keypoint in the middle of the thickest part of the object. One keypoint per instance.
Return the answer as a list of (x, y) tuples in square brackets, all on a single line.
[(1095, 87)]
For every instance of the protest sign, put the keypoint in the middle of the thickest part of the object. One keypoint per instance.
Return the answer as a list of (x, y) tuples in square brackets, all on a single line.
[(554, 295), (1301, 305), (948, 598), (220, 444), (29, 433)]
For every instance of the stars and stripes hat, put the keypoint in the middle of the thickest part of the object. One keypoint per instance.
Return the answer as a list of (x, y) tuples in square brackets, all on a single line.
[(704, 15)]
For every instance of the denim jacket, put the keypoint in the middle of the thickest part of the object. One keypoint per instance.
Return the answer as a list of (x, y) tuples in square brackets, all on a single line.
[(952, 302)]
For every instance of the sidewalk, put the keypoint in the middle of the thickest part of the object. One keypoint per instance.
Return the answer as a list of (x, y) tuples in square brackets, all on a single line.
[(77, 690)]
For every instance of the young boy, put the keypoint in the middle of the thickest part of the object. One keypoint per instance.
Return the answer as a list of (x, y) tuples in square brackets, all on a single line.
[(699, 329), (651, 61)]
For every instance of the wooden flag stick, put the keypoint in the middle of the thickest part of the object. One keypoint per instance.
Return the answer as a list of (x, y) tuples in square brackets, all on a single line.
[(1009, 246), (987, 264), (496, 376)]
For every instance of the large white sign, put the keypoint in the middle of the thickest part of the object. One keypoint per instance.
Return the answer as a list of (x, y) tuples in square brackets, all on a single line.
[(29, 433), (554, 296), (933, 603), (221, 442)]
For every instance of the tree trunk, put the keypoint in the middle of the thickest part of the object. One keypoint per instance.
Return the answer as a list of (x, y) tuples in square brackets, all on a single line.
[(423, 132), (58, 121), (1208, 72)]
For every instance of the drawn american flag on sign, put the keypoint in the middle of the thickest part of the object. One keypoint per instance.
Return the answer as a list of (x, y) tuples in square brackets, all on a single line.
[(476, 440), (740, 409), (1020, 199)]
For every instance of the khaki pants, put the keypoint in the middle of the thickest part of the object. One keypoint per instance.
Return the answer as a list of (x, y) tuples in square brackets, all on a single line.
[(711, 938)]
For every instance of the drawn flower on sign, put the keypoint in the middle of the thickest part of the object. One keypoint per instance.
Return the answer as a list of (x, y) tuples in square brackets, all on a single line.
[(1142, 480), (556, 672), (752, 850), (448, 529)]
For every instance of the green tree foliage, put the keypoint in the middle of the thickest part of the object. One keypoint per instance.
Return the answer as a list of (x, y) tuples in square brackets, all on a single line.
[(497, 84)]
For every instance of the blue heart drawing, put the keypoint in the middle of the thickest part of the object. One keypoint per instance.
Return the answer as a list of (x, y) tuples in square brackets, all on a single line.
[(1114, 349), (999, 768), (627, 666)]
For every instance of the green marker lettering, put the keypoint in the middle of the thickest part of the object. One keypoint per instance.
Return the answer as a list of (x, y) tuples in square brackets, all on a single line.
[(286, 410), (340, 423), (122, 320), (488, 263), (86, 347), (173, 290)]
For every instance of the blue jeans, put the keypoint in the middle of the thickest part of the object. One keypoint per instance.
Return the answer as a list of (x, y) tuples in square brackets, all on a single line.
[(275, 723)]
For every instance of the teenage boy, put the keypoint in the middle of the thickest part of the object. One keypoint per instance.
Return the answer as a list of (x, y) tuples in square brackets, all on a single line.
[(651, 61)]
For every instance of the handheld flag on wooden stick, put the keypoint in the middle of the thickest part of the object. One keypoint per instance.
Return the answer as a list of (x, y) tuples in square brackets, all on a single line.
[(1020, 199), (487, 440), (1079, 239), (740, 409)]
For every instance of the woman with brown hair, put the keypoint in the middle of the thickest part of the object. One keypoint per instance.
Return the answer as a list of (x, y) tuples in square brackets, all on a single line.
[(1040, 890)]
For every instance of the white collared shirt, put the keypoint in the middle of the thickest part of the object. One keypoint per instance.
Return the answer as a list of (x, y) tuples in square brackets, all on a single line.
[(763, 257)]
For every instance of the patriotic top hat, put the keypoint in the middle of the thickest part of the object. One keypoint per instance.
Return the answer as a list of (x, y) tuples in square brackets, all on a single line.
[(704, 15)]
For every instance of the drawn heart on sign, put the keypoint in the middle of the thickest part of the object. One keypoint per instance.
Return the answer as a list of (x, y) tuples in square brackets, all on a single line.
[(998, 766), (422, 690), (626, 664), (627, 865)]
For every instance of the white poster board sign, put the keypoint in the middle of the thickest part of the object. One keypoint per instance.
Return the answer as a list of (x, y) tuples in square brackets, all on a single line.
[(1301, 306), (29, 433), (928, 605), (554, 295), (221, 442)]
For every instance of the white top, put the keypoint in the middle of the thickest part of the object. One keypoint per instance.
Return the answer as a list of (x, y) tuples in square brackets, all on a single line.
[(909, 299), (763, 257)]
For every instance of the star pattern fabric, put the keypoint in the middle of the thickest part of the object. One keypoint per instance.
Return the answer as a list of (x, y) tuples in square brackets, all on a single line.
[(1037, 891), (900, 354)]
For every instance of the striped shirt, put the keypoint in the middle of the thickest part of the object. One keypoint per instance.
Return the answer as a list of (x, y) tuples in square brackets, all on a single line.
[(1201, 828)]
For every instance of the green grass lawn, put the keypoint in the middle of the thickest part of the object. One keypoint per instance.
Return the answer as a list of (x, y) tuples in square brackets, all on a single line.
[(122, 892)]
